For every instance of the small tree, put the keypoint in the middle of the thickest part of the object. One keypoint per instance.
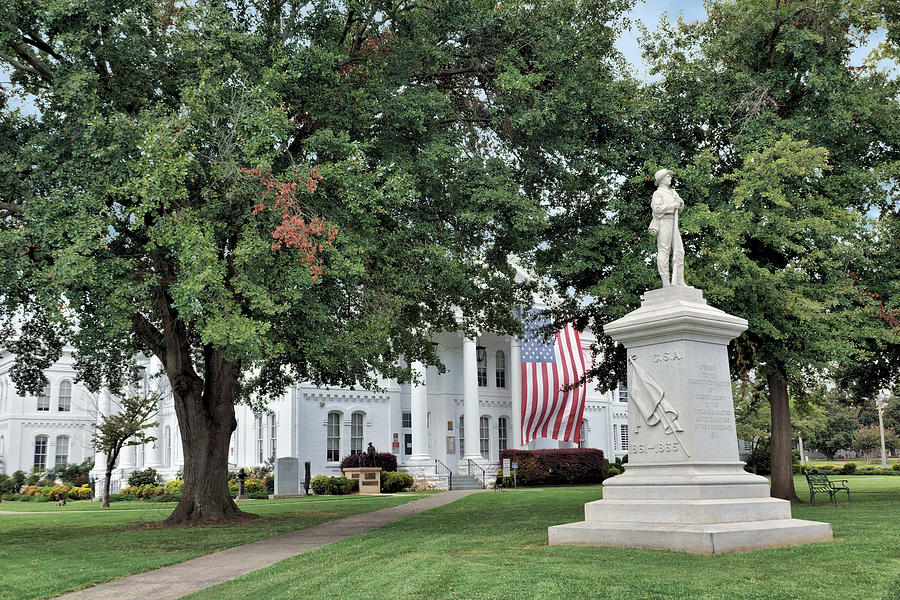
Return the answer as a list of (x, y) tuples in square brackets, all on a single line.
[(125, 428)]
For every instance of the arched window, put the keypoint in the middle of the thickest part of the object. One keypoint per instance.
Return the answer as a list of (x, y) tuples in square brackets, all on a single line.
[(2, 445), (168, 446), (481, 364), (357, 423), (62, 450), (333, 441), (484, 437), (462, 435), (65, 396), (43, 401), (40, 452), (582, 443), (502, 434), (500, 357)]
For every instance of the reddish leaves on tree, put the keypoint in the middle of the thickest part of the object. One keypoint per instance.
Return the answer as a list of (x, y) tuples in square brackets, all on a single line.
[(309, 235)]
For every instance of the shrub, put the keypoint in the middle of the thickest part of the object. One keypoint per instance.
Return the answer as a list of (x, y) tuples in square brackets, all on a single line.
[(848, 468), (319, 484), (306, 478), (80, 493), (148, 476), (565, 466), (269, 483), (337, 486), (613, 471), (130, 490), (58, 492), (392, 482), (176, 485), (896, 467), (254, 486), (385, 460), (120, 497)]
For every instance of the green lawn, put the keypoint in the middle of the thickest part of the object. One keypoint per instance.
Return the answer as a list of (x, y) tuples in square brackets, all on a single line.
[(494, 545), (44, 553)]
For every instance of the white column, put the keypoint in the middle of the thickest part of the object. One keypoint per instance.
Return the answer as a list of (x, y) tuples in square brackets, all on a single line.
[(155, 453), (103, 410), (470, 400), (515, 390), (419, 402)]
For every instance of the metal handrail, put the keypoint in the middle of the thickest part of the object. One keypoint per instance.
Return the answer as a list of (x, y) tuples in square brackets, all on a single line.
[(477, 466), (438, 463)]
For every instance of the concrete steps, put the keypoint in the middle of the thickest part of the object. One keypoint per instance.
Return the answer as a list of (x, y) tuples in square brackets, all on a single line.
[(466, 482)]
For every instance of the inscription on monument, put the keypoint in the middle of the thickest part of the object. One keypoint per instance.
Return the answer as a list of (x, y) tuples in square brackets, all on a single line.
[(715, 413)]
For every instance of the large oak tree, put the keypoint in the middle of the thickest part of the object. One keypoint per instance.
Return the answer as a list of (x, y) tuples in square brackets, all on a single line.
[(782, 150), (263, 191)]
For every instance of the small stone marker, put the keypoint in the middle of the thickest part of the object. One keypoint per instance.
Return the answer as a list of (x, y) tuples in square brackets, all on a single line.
[(287, 476), (506, 467)]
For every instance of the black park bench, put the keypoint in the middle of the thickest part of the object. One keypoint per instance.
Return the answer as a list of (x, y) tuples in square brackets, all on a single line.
[(818, 482)]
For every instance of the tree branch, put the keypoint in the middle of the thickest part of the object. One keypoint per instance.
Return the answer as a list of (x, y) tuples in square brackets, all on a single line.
[(41, 45), (18, 65), (12, 208), (149, 334), (28, 55)]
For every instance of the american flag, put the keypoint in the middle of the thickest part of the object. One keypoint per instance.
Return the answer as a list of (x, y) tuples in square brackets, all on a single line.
[(548, 367)]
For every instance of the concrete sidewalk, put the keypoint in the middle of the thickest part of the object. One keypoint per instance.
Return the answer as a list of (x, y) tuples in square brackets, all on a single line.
[(169, 583)]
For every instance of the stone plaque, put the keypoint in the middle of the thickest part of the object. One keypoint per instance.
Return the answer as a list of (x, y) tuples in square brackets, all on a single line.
[(287, 479)]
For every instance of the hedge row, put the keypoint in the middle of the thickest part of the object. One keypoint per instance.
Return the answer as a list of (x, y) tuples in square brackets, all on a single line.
[(565, 466), (852, 469), (334, 486)]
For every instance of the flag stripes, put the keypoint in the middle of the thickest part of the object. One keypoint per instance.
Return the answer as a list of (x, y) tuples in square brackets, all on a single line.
[(548, 409)]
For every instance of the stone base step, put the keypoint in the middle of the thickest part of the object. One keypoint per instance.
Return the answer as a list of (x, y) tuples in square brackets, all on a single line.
[(730, 510), (465, 482), (702, 538)]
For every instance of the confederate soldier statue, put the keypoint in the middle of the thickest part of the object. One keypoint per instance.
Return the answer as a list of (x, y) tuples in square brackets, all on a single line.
[(667, 205)]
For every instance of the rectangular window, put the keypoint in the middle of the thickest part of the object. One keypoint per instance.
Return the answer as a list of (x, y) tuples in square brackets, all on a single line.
[(40, 452), (333, 450), (481, 357), (462, 435), (357, 421), (484, 439), (273, 436), (501, 369), (43, 401), (62, 450), (623, 437), (623, 393), (65, 396), (407, 444), (260, 439), (406, 420), (501, 434)]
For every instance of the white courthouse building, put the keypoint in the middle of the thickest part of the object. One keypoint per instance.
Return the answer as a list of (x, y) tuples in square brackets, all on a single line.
[(468, 413)]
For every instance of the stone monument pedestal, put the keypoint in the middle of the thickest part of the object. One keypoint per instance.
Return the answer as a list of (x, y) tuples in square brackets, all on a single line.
[(684, 487), (369, 478)]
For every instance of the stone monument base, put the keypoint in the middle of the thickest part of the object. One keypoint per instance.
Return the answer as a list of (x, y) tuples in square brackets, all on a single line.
[(703, 508)]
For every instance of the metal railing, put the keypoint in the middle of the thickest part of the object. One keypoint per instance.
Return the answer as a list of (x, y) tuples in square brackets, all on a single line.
[(437, 471), (474, 468)]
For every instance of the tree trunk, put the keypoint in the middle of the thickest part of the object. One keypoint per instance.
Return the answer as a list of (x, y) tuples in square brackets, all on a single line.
[(110, 464), (205, 410), (780, 445)]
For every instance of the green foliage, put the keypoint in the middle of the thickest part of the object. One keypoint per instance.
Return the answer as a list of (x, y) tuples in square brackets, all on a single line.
[(395, 481), (148, 476), (325, 485), (848, 468), (72, 474), (306, 466), (429, 136), (128, 427)]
